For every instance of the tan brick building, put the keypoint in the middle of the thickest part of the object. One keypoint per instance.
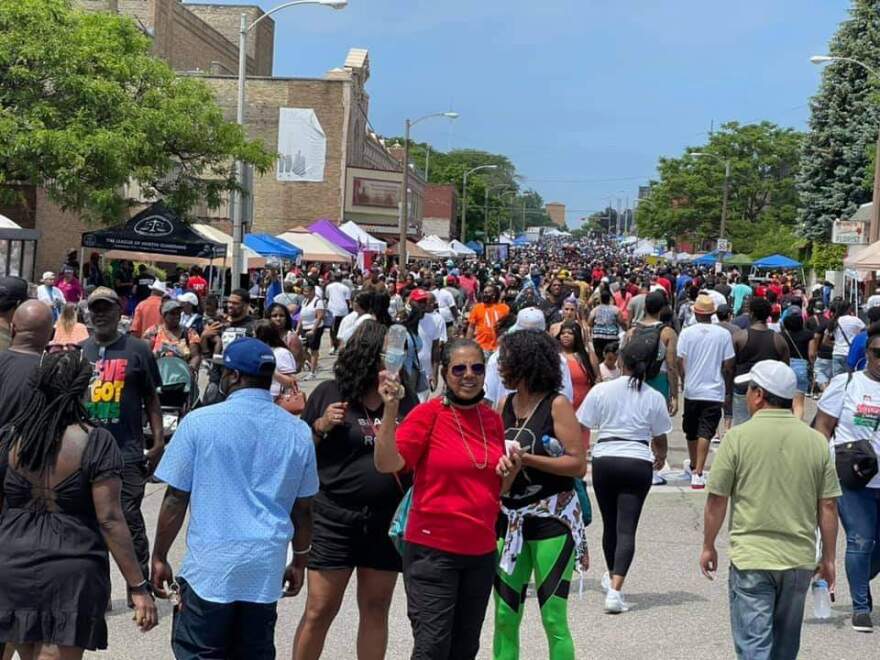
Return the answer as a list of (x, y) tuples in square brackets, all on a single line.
[(202, 40), (556, 211)]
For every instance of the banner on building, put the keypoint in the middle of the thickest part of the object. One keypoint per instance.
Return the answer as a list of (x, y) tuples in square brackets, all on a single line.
[(847, 232), (375, 192), (302, 146)]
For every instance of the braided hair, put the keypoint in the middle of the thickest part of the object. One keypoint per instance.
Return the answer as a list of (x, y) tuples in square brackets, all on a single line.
[(56, 403)]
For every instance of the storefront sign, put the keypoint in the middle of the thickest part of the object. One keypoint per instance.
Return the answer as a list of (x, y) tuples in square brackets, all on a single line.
[(376, 193), (847, 232)]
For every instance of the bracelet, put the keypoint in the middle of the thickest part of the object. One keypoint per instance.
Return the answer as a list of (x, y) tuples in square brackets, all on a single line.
[(143, 586), (298, 553)]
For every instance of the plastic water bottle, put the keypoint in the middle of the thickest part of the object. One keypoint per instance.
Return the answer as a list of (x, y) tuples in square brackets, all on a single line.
[(821, 600), (552, 446), (395, 348)]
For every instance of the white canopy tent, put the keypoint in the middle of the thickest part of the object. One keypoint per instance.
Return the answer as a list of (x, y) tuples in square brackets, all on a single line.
[(506, 239), (436, 245), (249, 258), (366, 241), (461, 250), (315, 247)]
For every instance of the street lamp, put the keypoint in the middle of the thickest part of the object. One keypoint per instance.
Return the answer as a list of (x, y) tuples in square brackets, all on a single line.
[(238, 202), (703, 154), (486, 207), (404, 191), (464, 197), (874, 227)]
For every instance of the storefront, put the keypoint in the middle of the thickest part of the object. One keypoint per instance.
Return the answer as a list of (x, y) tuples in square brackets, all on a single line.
[(18, 246)]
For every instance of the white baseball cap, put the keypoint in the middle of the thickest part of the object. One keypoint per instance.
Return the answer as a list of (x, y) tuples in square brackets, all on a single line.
[(188, 297), (159, 285), (48, 275), (529, 318), (771, 375)]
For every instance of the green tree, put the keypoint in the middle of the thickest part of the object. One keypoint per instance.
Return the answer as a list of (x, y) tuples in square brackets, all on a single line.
[(686, 201), (85, 109), (844, 118)]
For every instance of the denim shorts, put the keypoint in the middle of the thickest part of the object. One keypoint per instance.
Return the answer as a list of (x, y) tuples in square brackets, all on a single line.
[(822, 370), (801, 370)]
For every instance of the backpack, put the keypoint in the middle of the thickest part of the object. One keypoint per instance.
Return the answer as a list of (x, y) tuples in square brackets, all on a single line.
[(649, 338)]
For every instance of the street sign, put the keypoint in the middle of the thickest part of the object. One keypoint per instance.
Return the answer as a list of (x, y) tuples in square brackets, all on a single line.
[(723, 245), (847, 232)]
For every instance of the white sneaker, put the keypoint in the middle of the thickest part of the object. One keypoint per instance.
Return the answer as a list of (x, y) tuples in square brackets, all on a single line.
[(657, 480), (698, 482), (606, 582), (686, 466), (716, 440), (614, 603)]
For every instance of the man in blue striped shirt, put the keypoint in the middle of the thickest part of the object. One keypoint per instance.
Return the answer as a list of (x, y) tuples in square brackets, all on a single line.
[(246, 468)]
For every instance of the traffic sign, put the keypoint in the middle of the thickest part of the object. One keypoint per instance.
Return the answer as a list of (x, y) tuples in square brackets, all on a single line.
[(723, 245)]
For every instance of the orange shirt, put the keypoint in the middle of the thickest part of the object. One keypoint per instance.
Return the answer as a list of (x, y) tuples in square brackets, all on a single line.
[(147, 314), (484, 318)]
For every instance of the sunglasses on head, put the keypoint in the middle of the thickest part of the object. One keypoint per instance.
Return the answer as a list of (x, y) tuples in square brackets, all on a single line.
[(459, 370)]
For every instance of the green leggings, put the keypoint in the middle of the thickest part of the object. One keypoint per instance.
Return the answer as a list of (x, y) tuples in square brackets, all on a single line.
[(552, 560)]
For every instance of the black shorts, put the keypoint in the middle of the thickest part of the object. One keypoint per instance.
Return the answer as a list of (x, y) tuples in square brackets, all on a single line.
[(313, 342), (346, 538), (700, 419)]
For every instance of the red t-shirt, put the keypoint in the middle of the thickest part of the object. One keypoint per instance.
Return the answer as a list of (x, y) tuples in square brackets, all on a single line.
[(468, 286), (455, 505), (666, 284), (198, 285)]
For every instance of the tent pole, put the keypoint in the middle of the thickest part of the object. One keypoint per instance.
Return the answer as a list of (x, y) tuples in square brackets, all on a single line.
[(82, 256)]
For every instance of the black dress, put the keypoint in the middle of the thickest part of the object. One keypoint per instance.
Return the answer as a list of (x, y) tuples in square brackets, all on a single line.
[(55, 575)]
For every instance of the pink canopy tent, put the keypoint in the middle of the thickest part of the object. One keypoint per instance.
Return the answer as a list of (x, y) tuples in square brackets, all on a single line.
[(327, 229)]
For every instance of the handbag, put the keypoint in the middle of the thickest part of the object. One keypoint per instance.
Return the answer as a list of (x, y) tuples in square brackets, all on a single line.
[(292, 399), (856, 463), (397, 528)]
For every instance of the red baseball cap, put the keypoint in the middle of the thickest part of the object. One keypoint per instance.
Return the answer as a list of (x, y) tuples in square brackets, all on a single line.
[(419, 295), (452, 279)]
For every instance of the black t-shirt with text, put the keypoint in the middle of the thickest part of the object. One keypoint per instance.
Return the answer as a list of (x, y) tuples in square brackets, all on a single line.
[(18, 373), (125, 372), (142, 284), (345, 457)]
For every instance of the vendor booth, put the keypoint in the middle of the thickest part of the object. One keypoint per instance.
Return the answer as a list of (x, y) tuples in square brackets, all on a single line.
[(475, 246), (776, 262), (437, 246), (366, 241), (270, 246), (315, 247), (413, 251), (461, 250), (332, 233), (17, 249)]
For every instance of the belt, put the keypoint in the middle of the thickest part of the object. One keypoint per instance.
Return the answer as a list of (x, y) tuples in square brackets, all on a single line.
[(615, 439)]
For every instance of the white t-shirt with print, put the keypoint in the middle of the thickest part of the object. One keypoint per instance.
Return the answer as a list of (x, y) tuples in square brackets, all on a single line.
[(431, 329), (338, 296), (445, 302), (284, 364), (854, 400), (851, 325), (494, 386), (704, 347), (615, 409)]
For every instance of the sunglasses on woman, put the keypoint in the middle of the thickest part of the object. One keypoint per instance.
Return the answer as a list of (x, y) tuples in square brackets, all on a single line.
[(459, 370)]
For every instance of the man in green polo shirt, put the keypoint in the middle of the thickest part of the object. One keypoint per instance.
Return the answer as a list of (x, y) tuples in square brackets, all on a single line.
[(780, 477)]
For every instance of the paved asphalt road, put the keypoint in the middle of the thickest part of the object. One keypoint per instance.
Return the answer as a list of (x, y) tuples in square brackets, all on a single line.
[(676, 613)]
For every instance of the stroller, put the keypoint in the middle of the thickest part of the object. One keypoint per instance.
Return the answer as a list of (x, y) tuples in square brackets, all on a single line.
[(177, 395)]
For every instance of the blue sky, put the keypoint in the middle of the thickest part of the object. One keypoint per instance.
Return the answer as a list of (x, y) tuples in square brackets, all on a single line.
[(582, 95)]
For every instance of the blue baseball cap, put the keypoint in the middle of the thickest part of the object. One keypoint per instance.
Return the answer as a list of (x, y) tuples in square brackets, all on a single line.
[(248, 356)]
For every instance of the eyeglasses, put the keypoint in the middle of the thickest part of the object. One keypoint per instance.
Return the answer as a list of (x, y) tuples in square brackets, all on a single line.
[(459, 370)]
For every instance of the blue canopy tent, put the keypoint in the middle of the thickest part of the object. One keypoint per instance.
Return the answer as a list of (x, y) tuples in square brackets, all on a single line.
[(709, 258), (520, 241), (775, 262), (271, 246), (475, 246)]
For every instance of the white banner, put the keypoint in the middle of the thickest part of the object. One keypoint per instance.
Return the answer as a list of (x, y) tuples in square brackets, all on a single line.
[(846, 232), (302, 145)]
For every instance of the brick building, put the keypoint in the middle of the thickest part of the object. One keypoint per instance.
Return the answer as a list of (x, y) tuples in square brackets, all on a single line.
[(202, 40), (441, 215), (556, 211)]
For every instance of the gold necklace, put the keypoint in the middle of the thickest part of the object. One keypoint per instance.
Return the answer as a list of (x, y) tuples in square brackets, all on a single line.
[(485, 462)]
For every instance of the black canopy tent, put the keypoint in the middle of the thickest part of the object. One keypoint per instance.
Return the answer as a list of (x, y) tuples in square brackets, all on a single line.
[(155, 234), (156, 231)]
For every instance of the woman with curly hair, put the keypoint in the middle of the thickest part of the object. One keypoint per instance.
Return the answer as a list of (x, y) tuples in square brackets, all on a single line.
[(355, 504), (541, 527)]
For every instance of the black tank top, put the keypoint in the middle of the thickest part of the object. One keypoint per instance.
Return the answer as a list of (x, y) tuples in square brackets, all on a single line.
[(760, 345), (532, 485)]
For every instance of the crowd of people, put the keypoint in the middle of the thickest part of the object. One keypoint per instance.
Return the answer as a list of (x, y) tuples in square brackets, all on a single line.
[(450, 441)]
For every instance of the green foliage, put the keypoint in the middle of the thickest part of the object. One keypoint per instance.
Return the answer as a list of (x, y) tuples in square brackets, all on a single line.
[(827, 256), (844, 119), (506, 199), (85, 109), (686, 201)]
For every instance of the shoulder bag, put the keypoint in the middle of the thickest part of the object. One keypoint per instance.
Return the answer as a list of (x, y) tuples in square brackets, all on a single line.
[(856, 461)]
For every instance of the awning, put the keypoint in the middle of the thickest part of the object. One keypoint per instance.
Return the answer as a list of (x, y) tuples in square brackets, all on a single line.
[(332, 233), (249, 258), (270, 246), (461, 249), (364, 240), (413, 251), (12, 231), (315, 247), (866, 259), (156, 230)]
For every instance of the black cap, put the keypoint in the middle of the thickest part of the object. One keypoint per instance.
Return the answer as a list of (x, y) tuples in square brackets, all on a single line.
[(13, 291)]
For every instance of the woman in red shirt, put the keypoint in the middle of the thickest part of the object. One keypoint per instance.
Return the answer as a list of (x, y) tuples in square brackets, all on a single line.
[(454, 445)]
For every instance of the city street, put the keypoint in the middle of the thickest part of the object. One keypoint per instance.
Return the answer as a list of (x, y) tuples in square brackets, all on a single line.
[(676, 613)]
